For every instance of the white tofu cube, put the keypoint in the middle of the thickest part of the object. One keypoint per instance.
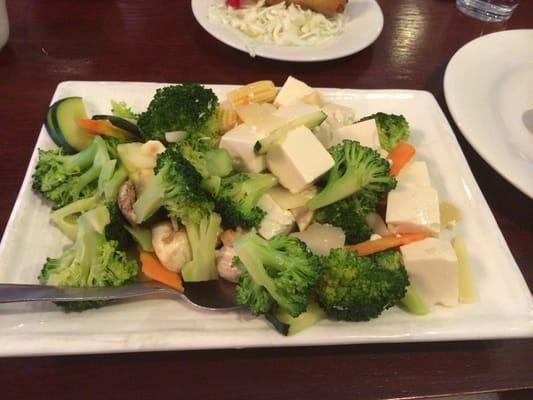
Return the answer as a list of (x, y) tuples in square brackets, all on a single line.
[(414, 174), (239, 142), (292, 91), (276, 221), (299, 159), (365, 132), (432, 267), (413, 209)]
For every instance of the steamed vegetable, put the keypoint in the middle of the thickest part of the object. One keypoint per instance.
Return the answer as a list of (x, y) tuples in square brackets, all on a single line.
[(91, 261), (280, 272), (188, 107), (356, 288), (350, 214), (356, 168), (400, 155), (176, 187), (153, 269), (104, 128), (386, 242), (63, 179), (392, 129), (62, 127), (310, 120), (237, 198)]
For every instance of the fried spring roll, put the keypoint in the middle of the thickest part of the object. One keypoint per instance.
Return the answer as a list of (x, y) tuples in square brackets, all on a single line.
[(327, 7)]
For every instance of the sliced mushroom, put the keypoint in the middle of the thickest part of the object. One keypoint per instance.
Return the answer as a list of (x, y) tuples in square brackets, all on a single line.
[(171, 246), (126, 197)]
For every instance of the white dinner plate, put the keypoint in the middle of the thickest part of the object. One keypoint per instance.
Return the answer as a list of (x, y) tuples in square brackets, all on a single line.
[(365, 22), (502, 310), (488, 86)]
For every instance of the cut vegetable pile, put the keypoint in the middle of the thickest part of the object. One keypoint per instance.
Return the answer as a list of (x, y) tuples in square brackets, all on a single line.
[(313, 212), (299, 23)]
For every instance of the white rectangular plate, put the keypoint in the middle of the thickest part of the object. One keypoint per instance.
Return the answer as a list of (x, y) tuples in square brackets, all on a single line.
[(503, 310)]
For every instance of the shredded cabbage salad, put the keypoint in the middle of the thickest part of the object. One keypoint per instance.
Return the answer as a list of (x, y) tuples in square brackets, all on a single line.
[(279, 24)]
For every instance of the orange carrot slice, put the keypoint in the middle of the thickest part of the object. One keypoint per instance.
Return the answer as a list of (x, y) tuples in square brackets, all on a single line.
[(102, 127), (386, 242), (400, 155), (153, 269)]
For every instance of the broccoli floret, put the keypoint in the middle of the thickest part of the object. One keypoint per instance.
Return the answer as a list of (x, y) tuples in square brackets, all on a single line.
[(91, 261), (116, 229), (282, 268), (65, 178), (237, 198), (412, 301), (350, 214), (253, 296), (122, 110), (213, 162), (392, 129), (177, 187), (356, 167), (203, 240), (108, 184), (355, 288), (188, 107)]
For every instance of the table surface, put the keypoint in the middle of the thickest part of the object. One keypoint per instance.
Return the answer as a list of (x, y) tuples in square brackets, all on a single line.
[(57, 40)]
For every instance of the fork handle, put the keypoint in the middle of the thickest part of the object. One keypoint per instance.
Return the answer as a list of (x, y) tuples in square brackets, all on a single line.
[(13, 293)]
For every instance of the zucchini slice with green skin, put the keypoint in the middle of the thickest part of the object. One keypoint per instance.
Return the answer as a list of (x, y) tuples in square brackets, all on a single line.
[(50, 128), (310, 120), (64, 121), (120, 123)]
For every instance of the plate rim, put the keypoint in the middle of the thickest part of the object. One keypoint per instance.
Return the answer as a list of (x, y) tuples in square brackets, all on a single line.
[(264, 52), (133, 342), (484, 153)]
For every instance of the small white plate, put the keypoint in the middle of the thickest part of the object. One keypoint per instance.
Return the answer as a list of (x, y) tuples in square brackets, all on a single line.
[(488, 86), (503, 309), (362, 29)]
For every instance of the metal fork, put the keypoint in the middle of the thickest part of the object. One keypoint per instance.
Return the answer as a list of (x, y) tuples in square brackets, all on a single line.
[(210, 295)]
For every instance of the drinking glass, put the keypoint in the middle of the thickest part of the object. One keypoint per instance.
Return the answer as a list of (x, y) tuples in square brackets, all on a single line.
[(488, 10), (4, 24)]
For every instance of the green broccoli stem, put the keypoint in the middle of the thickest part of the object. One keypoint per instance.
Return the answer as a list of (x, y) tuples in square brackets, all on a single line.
[(413, 302), (111, 187), (150, 200), (256, 186), (87, 241), (65, 218), (84, 159), (85, 179), (107, 170), (251, 251), (142, 236), (343, 188), (202, 239), (287, 325), (274, 259)]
